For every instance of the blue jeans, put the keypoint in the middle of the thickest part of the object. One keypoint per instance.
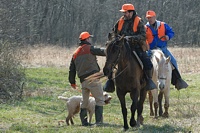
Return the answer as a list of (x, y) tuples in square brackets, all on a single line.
[(168, 53)]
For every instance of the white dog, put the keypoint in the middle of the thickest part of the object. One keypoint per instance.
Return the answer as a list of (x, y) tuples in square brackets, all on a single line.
[(73, 106)]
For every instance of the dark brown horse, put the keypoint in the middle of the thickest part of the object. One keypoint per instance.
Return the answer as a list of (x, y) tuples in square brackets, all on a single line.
[(128, 78)]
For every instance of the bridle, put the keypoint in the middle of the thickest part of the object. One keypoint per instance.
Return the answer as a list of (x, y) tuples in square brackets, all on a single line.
[(162, 78), (113, 65)]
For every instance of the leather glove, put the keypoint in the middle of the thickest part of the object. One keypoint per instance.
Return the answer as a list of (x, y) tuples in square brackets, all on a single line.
[(74, 86)]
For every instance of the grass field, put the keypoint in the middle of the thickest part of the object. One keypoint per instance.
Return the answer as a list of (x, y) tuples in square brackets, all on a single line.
[(47, 78)]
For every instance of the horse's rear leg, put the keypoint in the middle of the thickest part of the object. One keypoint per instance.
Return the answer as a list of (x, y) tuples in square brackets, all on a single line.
[(151, 103), (160, 97)]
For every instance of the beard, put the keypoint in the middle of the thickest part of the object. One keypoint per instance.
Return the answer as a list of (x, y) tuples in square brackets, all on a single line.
[(127, 17)]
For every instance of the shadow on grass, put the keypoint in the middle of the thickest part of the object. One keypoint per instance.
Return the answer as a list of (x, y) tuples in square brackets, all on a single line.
[(162, 129), (144, 129)]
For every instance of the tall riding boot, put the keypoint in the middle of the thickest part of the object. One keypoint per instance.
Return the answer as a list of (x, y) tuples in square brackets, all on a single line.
[(83, 116), (177, 80), (99, 114), (150, 84)]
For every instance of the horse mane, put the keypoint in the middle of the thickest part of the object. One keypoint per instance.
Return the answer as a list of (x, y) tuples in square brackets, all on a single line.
[(158, 53), (127, 52), (124, 46)]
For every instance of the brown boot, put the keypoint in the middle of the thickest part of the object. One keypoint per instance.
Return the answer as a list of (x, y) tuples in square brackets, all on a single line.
[(180, 84)]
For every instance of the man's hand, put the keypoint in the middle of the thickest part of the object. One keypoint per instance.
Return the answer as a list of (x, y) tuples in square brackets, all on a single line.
[(74, 86), (166, 37), (132, 38), (128, 38)]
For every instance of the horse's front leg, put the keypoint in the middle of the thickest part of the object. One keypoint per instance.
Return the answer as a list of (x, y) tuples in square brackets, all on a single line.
[(160, 97), (121, 97), (166, 105), (134, 96)]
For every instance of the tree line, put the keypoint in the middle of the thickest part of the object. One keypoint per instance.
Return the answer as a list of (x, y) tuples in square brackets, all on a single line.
[(61, 21)]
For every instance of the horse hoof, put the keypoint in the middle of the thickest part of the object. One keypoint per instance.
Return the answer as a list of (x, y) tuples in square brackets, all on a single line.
[(155, 117), (125, 129), (165, 115), (151, 114), (160, 113), (132, 123), (141, 120)]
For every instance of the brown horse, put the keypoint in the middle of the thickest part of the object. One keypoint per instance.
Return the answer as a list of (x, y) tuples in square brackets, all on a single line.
[(128, 78)]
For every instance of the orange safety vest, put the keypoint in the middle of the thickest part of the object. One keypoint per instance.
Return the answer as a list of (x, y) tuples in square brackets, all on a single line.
[(135, 25), (78, 51), (150, 36)]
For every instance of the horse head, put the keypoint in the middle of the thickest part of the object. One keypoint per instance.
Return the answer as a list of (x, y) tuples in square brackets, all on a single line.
[(113, 48), (163, 70)]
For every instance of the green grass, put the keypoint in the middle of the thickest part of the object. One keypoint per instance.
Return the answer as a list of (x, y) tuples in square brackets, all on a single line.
[(43, 77), (40, 110)]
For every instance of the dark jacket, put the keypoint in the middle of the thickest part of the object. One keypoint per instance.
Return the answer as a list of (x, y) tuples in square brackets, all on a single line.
[(84, 61), (139, 37)]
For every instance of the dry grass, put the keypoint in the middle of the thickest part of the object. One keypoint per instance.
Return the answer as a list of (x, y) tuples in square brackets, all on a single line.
[(46, 56), (187, 59), (55, 56)]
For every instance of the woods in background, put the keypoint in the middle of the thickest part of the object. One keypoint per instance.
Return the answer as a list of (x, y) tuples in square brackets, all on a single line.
[(61, 21)]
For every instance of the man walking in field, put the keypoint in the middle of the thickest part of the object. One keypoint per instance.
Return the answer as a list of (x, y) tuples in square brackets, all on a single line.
[(84, 62)]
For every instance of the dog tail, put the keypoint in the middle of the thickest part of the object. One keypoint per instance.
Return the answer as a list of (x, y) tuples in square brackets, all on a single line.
[(63, 98)]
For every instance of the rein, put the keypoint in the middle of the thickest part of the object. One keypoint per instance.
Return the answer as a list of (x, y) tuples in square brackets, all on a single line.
[(120, 72), (114, 66)]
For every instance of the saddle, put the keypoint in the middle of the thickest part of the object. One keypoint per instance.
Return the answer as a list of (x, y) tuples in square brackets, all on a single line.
[(138, 59)]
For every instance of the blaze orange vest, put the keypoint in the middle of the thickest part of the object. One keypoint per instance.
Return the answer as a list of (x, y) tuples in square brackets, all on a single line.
[(161, 32), (135, 25), (78, 51)]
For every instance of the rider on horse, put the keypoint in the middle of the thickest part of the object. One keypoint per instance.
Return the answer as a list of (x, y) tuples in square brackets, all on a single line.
[(132, 27), (158, 33)]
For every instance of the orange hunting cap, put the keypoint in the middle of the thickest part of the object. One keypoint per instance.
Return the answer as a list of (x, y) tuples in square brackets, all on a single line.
[(84, 35), (127, 7), (150, 13)]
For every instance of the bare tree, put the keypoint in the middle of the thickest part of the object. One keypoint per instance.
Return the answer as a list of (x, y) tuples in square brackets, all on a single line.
[(61, 21)]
